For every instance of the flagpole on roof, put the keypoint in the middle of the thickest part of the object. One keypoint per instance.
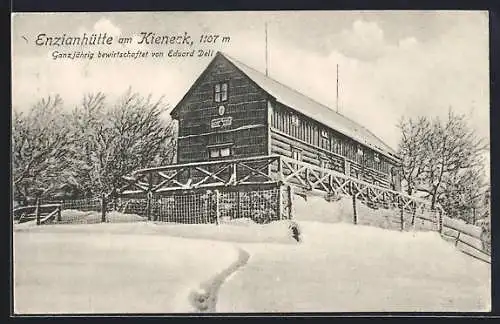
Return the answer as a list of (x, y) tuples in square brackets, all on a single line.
[(337, 98), (267, 74)]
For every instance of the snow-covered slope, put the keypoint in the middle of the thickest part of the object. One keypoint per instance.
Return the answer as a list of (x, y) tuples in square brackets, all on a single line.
[(341, 267), (346, 268)]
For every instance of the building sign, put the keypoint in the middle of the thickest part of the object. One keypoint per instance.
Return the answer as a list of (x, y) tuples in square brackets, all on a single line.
[(220, 122)]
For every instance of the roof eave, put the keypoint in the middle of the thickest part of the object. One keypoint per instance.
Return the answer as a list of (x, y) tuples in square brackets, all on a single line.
[(174, 113)]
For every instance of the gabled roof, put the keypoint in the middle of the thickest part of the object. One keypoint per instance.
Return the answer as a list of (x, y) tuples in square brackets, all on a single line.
[(312, 109)]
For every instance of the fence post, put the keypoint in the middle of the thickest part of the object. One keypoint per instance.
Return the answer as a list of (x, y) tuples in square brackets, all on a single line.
[(37, 211), (217, 210), (402, 219), (148, 205), (103, 208), (414, 211), (59, 210), (289, 192), (355, 215), (280, 202), (238, 204), (440, 221)]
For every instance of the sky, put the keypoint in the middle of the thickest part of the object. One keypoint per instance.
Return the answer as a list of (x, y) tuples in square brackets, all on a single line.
[(391, 64)]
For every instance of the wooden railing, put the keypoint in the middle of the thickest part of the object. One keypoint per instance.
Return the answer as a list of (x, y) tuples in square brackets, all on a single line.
[(311, 177), (234, 172), (261, 170)]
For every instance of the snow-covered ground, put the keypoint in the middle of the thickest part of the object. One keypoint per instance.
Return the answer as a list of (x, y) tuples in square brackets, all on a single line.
[(124, 267), (147, 267), (99, 272), (348, 268)]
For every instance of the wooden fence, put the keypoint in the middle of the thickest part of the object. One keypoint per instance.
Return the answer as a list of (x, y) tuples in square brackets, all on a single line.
[(466, 237), (41, 213), (262, 204)]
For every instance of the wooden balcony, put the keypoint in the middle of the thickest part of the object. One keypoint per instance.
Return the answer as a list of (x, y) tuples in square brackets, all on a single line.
[(261, 171)]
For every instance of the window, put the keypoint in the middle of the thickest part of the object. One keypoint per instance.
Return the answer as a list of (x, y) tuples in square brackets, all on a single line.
[(325, 140), (225, 151), (216, 152), (335, 144), (295, 120), (375, 157), (220, 92), (360, 150), (296, 154)]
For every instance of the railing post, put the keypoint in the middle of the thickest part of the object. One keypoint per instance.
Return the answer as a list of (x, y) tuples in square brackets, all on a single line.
[(234, 176), (37, 211), (103, 208), (280, 169), (306, 176), (217, 209)]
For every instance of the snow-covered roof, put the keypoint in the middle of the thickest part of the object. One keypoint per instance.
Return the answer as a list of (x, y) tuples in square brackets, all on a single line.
[(308, 107), (313, 109)]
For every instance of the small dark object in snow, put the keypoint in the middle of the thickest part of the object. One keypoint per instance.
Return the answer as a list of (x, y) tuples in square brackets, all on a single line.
[(295, 231)]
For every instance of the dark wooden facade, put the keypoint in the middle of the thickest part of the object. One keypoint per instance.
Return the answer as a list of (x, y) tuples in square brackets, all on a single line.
[(201, 137), (253, 123), (297, 136)]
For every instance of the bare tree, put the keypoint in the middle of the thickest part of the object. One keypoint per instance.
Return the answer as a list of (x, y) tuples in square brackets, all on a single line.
[(436, 153), (40, 146)]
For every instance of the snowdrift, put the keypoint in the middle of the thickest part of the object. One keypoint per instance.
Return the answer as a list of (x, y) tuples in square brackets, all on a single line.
[(315, 208), (70, 216), (241, 230)]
